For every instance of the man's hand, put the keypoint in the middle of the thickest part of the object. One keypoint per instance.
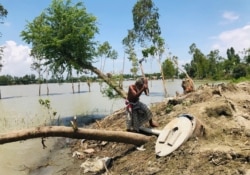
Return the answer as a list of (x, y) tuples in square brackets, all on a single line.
[(145, 86), (145, 80)]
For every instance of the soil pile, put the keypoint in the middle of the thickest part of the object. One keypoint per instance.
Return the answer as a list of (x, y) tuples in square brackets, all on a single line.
[(222, 148)]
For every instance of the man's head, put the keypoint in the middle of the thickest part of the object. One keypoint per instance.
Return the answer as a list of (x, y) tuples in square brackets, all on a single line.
[(139, 82)]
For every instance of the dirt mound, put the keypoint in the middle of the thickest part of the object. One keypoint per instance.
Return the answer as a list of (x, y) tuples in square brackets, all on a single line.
[(224, 147)]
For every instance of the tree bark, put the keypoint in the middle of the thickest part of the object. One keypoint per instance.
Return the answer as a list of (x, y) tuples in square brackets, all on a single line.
[(106, 79), (62, 131)]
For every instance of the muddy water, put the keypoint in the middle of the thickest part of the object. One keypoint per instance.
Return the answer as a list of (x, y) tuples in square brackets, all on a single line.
[(19, 108)]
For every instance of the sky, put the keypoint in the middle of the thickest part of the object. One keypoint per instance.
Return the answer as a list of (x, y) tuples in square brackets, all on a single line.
[(210, 24)]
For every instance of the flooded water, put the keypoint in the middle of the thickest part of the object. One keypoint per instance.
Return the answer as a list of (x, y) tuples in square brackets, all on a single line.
[(20, 109)]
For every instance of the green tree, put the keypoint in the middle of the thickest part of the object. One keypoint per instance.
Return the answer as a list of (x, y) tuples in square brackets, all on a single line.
[(232, 56), (176, 66), (199, 63), (6, 80), (63, 36), (214, 65), (28, 79), (168, 68), (189, 70), (145, 34), (105, 50), (246, 58), (231, 62), (3, 14), (246, 53), (239, 71), (129, 46), (37, 66)]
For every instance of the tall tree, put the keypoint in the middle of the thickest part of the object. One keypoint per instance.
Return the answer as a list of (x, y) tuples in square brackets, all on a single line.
[(232, 56), (246, 53), (199, 62), (3, 14), (37, 66), (63, 36), (239, 71), (105, 50), (146, 33), (129, 45), (231, 62), (215, 66)]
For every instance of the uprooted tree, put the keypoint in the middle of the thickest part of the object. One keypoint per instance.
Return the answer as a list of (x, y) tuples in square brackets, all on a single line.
[(72, 131), (63, 37), (62, 131)]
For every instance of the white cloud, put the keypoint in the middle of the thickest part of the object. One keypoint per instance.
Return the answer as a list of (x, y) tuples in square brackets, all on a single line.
[(16, 59), (238, 38), (230, 16)]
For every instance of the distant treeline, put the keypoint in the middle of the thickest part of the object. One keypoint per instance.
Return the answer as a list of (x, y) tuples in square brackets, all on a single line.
[(32, 79)]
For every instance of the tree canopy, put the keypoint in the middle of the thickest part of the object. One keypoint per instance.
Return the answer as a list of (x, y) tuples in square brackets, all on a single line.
[(168, 68), (63, 36), (3, 13), (214, 66), (145, 33)]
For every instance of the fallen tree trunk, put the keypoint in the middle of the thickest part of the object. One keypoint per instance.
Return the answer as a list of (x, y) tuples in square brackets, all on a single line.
[(62, 131)]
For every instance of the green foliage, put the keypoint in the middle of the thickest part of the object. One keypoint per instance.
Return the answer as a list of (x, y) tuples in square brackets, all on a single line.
[(63, 36), (109, 92), (105, 50), (145, 18), (214, 66), (241, 79), (199, 63), (9, 80), (169, 108), (168, 69), (182, 75), (232, 56), (6, 80), (45, 103), (145, 33), (52, 114), (3, 13), (239, 71), (246, 53)]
